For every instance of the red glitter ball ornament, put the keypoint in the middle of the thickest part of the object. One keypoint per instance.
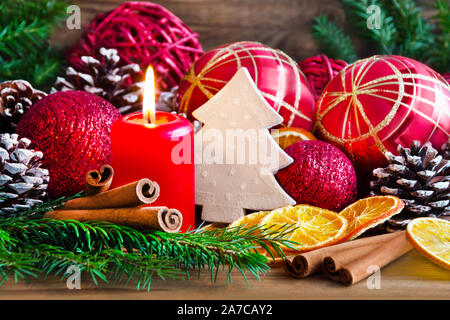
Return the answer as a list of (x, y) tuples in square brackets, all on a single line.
[(321, 175), (379, 103), (72, 129), (144, 33), (276, 75)]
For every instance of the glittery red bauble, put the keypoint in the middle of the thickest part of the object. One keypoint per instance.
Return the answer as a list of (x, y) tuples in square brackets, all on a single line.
[(378, 103), (278, 77), (321, 175), (72, 129), (144, 33)]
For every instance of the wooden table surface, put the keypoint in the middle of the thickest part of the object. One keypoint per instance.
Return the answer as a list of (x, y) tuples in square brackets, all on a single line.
[(410, 277)]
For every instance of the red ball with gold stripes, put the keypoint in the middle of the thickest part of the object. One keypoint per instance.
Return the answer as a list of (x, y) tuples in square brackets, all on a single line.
[(277, 76), (378, 103)]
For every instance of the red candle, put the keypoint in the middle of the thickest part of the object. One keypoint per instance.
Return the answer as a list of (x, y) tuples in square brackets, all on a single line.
[(158, 146)]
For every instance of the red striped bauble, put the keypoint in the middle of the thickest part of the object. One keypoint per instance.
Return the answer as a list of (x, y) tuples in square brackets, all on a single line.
[(276, 74), (378, 103)]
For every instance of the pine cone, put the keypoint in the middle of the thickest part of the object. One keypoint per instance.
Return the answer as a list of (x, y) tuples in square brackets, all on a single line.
[(417, 176), (103, 76), (23, 183), (166, 100), (16, 97), (446, 150)]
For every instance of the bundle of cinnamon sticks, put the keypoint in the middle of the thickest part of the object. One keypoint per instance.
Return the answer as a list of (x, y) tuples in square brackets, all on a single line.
[(352, 261), (120, 205)]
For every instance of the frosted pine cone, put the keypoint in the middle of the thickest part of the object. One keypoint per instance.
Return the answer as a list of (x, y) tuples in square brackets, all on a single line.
[(102, 75), (446, 150), (16, 97), (418, 177), (166, 100), (23, 183)]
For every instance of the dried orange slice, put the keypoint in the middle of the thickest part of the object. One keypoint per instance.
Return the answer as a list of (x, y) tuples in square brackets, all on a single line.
[(212, 227), (290, 135), (431, 237), (253, 220), (314, 227), (250, 220), (369, 212)]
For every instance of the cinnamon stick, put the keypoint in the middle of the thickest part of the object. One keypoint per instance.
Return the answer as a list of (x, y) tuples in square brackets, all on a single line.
[(336, 261), (98, 181), (134, 194), (305, 264), (142, 218), (358, 269)]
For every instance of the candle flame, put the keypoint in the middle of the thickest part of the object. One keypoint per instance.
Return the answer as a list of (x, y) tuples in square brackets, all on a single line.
[(149, 97)]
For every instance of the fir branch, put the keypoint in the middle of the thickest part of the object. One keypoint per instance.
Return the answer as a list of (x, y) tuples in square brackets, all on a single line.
[(33, 245), (109, 265), (17, 265), (385, 36), (415, 34), (19, 37), (25, 49), (234, 248), (47, 11), (440, 51), (333, 40)]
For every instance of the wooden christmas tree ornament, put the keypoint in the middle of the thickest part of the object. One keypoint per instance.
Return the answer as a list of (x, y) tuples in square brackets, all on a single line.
[(235, 155)]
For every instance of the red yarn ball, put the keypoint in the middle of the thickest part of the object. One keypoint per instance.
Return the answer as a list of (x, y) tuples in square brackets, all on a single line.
[(321, 175), (144, 33), (446, 76), (276, 75), (320, 70), (72, 129)]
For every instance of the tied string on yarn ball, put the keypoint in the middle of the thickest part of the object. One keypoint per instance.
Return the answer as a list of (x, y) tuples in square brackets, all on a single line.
[(320, 70), (143, 33)]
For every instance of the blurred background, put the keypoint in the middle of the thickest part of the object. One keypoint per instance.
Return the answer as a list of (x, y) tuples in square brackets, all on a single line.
[(283, 24)]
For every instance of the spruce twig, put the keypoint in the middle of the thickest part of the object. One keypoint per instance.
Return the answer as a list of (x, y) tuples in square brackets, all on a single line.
[(333, 39), (33, 245), (414, 33), (440, 51), (403, 31), (385, 36), (25, 28)]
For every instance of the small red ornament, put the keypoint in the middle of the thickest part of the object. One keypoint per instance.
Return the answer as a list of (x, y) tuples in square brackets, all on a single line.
[(320, 70), (277, 76), (144, 33), (72, 129), (321, 175), (378, 103)]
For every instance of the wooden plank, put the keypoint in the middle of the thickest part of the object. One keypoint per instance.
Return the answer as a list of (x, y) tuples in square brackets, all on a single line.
[(283, 24), (410, 277)]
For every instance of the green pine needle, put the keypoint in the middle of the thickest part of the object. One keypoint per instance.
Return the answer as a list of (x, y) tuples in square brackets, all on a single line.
[(440, 51), (385, 36), (403, 31), (33, 245), (25, 49), (333, 40)]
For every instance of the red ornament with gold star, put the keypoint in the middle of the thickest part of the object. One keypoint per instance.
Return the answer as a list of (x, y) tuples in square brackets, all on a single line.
[(276, 75), (378, 103)]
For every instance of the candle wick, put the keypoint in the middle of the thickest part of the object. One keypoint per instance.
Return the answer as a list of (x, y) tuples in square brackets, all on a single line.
[(147, 117)]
